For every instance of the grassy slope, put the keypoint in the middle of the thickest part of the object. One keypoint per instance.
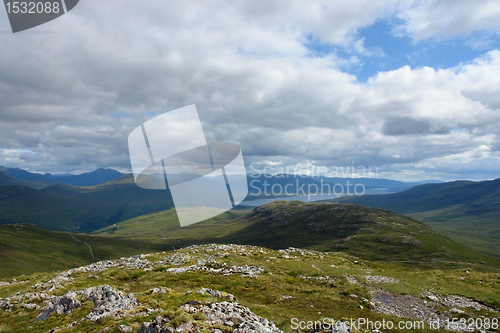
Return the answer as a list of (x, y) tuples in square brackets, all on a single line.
[(369, 233), (465, 211), (25, 248), (311, 299)]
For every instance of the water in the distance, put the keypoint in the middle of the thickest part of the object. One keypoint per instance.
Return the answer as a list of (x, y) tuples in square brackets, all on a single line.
[(310, 198)]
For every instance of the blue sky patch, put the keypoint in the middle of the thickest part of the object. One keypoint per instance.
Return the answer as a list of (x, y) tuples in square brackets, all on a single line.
[(384, 50)]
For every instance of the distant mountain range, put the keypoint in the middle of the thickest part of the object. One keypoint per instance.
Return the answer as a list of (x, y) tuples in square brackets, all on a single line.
[(16, 176), (95, 177), (464, 210), (94, 200), (6, 180)]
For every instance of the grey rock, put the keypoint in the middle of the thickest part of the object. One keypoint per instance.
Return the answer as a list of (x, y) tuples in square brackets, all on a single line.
[(188, 327), (108, 302), (31, 306), (158, 325), (65, 304), (125, 328)]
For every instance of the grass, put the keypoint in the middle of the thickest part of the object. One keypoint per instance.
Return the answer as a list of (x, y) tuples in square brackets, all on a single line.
[(477, 232), (311, 299), (369, 233), (26, 249)]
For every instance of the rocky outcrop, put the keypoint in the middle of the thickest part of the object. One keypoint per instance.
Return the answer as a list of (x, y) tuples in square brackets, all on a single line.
[(217, 294), (107, 302), (379, 279), (409, 306), (208, 309), (158, 325), (231, 315), (65, 304), (140, 262), (244, 270)]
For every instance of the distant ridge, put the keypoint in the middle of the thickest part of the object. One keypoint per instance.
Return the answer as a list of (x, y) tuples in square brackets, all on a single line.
[(95, 177), (6, 180)]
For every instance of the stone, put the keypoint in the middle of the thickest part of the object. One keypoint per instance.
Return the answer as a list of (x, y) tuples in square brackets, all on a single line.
[(188, 327), (125, 328), (65, 304)]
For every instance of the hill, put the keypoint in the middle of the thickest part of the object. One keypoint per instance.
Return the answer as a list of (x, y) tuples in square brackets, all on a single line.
[(234, 288), (464, 210), (389, 185), (25, 249), (368, 233), (80, 209), (95, 177)]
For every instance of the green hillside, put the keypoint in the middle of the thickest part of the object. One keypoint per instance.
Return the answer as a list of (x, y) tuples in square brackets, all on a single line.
[(465, 211), (368, 233), (80, 209), (63, 207), (25, 249)]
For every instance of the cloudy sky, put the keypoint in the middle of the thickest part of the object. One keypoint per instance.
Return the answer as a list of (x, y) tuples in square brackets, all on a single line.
[(412, 87)]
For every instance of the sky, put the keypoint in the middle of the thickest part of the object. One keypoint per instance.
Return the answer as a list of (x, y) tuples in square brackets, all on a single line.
[(410, 87)]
